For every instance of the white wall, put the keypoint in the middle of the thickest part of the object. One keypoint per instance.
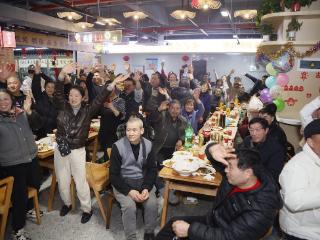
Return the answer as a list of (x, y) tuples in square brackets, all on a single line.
[(223, 63)]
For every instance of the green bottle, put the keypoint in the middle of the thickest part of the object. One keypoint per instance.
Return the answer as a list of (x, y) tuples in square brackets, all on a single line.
[(188, 134)]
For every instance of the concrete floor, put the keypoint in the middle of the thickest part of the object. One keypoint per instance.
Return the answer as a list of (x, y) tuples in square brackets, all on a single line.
[(54, 227)]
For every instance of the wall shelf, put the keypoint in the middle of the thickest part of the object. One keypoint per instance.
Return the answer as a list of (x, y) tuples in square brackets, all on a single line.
[(277, 18), (281, 43)]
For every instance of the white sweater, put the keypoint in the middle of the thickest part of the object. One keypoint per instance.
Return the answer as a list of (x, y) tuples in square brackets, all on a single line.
[(300, 191)]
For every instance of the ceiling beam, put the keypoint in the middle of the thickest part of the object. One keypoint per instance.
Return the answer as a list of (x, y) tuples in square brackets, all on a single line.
[(35, 20)]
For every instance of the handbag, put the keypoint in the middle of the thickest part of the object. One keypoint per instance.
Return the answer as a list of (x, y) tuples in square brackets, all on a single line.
[(63, 146)]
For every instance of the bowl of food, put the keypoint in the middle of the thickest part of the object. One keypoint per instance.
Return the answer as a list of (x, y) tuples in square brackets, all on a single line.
[(185, 168)]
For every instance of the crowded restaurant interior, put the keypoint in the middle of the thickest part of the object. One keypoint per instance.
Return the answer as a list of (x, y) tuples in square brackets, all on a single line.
[(163, 119)]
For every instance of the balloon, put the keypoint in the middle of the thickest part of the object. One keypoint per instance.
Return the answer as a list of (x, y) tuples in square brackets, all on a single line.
[(262, 59), (265, 96), (283, 63), (271, 70), (271, 81), (282, 79), (279, 103), (276, 92)]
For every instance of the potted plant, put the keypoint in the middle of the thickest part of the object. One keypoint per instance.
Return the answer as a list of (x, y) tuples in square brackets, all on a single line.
[(293, 27), (295, 5), (267, 6), (266, 30)]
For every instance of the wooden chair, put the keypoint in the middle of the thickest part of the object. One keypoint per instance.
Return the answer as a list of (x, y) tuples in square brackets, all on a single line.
[(32, 193), (5, 200), (98, 179)]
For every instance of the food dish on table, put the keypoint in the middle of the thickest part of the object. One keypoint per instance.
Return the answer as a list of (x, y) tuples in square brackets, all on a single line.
[(43, 147)]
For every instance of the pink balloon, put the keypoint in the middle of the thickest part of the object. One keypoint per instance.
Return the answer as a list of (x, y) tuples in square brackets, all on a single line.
[(282, 79)]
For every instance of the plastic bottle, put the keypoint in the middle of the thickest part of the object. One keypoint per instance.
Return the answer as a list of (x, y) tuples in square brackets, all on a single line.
[(188, 132)]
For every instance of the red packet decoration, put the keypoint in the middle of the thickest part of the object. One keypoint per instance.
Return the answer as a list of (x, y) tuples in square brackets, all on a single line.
[(291, 101), (304, 76), (308, 95)]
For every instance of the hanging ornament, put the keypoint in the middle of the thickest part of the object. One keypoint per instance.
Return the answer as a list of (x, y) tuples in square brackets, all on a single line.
[(185, 58), (126, 58), (283, 63)]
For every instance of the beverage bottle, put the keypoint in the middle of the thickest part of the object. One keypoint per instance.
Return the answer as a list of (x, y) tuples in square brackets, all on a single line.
[(188, 135)]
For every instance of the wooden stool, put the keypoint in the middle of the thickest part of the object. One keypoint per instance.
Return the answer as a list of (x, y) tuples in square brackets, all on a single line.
[(6, 186), (32, 193)]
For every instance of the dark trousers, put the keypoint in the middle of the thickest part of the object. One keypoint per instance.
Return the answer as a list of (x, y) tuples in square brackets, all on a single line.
[(24, 175), (166, 232), (164, 154), (289, 237)]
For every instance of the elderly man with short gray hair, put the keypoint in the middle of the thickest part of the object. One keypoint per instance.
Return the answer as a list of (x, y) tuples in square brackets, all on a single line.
[(132, 174)]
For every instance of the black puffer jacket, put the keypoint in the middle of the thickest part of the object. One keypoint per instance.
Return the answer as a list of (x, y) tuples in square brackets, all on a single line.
[(241, 216), (76, 127)]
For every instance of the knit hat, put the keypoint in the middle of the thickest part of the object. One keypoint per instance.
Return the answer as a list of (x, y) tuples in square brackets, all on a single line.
[(312, 128)]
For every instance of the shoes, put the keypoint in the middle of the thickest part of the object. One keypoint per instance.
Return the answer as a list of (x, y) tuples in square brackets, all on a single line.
[(32, 214), (173, 198), (86, 217), (65, 210), (20, 235), (149, 236)]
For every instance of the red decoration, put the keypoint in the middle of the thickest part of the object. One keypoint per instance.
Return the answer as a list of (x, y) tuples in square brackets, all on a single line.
[(304, 75), (23, 53), (318, 75), (295, 7), (291, 101), (126, 58), (308, 95), (185, 58), (293, 88)]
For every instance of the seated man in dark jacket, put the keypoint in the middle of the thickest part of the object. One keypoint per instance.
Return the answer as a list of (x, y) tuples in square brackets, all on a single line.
[(132, 174), (270, 149), (244, 208)]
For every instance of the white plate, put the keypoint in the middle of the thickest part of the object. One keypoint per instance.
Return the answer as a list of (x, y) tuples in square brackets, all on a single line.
[(185, 168), (182, 153)]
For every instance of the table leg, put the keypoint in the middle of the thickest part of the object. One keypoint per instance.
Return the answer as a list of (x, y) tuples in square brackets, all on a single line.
[(52, 191), (165, 204), (95, 150)]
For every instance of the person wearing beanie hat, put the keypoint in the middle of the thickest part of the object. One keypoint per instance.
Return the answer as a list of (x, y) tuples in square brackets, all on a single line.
[(269, 114), (300, 181)]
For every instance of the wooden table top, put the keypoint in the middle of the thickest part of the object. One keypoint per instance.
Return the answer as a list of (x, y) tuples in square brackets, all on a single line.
[(43, 155), (169, 173)]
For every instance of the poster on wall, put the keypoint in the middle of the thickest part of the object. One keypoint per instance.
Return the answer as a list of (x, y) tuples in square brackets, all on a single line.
[(139, 68), (309, 65), (152, 63)]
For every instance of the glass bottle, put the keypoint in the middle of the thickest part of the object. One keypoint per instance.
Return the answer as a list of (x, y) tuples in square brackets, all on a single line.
[(188, 135)]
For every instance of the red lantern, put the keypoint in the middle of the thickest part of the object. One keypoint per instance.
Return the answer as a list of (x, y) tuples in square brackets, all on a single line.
[(126, 58), (185, 58), (295, 7)]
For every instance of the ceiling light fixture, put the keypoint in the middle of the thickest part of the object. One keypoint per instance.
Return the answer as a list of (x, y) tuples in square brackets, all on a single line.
[(135, 14), (182, 14), (206, 4), (69, 15), (84, 25), (246, 14), (224, 12)]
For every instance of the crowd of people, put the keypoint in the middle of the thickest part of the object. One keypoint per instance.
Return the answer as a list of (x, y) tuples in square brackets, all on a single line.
[(144, 121)]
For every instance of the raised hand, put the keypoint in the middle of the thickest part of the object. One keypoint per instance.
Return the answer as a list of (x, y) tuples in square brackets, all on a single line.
[(27, 103), (113, 67), (37, 68), (163, 106), (69, 68), (126, 66), (196, 93), (163, 91), (222, 154)]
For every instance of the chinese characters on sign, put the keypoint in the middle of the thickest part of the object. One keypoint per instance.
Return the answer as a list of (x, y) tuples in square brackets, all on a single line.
[(96, 37)]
